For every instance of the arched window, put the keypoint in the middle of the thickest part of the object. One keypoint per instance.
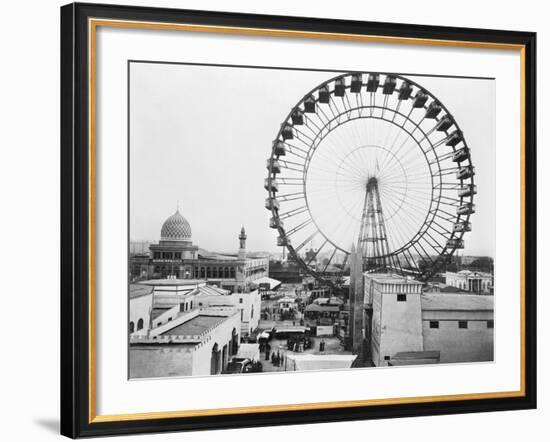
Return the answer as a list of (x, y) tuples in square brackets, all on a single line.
[(214, 272), (226, 272), (208, 272), (220, 272), (232, 272), (140, 324), (203, 274), (131, 328), (252, 312), (196, 273)]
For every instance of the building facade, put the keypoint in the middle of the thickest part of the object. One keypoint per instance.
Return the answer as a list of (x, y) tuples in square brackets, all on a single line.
[(197, 343), (175, 256), (476, 282), (141, 305), (174, 332), (394, 321), (457, 327), (396, 324)]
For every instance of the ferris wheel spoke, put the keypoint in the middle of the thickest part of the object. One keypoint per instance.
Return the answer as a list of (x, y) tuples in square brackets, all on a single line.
[(329, 260), (316, 253), (290, 197), (439, 213), (306, 241), (294, 147), (437, 247), (445, 230), (298, 228), (293, 212)]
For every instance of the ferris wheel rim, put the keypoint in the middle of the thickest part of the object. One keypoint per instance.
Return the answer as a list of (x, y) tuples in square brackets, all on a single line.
[(446, 250)]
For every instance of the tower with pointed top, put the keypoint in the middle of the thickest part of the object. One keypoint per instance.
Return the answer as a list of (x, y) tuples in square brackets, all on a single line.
[(242, 244), (357, 300)]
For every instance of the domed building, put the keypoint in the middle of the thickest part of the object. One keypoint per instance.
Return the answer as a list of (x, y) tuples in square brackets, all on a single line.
[(176, 257), (176, 228)]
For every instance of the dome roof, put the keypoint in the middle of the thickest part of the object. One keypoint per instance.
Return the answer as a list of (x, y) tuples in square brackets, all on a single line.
[(175, 228)]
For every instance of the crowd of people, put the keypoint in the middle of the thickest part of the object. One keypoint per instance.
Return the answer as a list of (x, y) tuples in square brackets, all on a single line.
[(276, 358)]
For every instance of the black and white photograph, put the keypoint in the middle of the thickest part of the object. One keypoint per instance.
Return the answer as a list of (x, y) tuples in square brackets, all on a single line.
[(269, 221), (284, 220)]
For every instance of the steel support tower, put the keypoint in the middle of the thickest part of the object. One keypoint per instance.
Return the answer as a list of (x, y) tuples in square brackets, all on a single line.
[(373, 238)]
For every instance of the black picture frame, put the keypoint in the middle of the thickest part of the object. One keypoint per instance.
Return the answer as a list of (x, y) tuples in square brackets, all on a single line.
[(76, 403)]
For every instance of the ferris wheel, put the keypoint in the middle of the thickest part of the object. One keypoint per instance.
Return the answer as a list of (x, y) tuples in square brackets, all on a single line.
[(374, 164)]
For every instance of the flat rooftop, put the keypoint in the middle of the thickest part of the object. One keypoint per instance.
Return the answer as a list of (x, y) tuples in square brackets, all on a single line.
[(195, 326), (389, 278), (170, 282), (137, 290), (156, 312), (458, 301)]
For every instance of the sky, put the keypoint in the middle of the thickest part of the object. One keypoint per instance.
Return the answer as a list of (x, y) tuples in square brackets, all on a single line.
[(200, 137)]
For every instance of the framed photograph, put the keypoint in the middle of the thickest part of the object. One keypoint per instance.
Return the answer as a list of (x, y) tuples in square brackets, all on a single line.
[(274, 220)]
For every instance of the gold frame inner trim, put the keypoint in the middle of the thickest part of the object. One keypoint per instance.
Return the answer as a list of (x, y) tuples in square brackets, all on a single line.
[(93, 24)]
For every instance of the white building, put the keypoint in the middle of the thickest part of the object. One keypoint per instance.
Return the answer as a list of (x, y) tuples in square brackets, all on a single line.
[(195, 343), (183, 327), (477, 282), (396, 324), (169, 295), (404, 325), (141, 304), (459, 326), (247, 304)]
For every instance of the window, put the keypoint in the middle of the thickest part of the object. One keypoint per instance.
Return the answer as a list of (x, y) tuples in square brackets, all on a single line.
[(177, 255), (169, 319), (462, 324), (490, 323), (386, 358), (240, 300), (140, 324), (191, 305), (131, 328), (242, 314), (434, 324), (401, 297), (156, 255), (252, 312)]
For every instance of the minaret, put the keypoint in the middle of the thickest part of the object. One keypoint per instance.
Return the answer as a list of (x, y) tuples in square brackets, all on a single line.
[(242, 244)]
